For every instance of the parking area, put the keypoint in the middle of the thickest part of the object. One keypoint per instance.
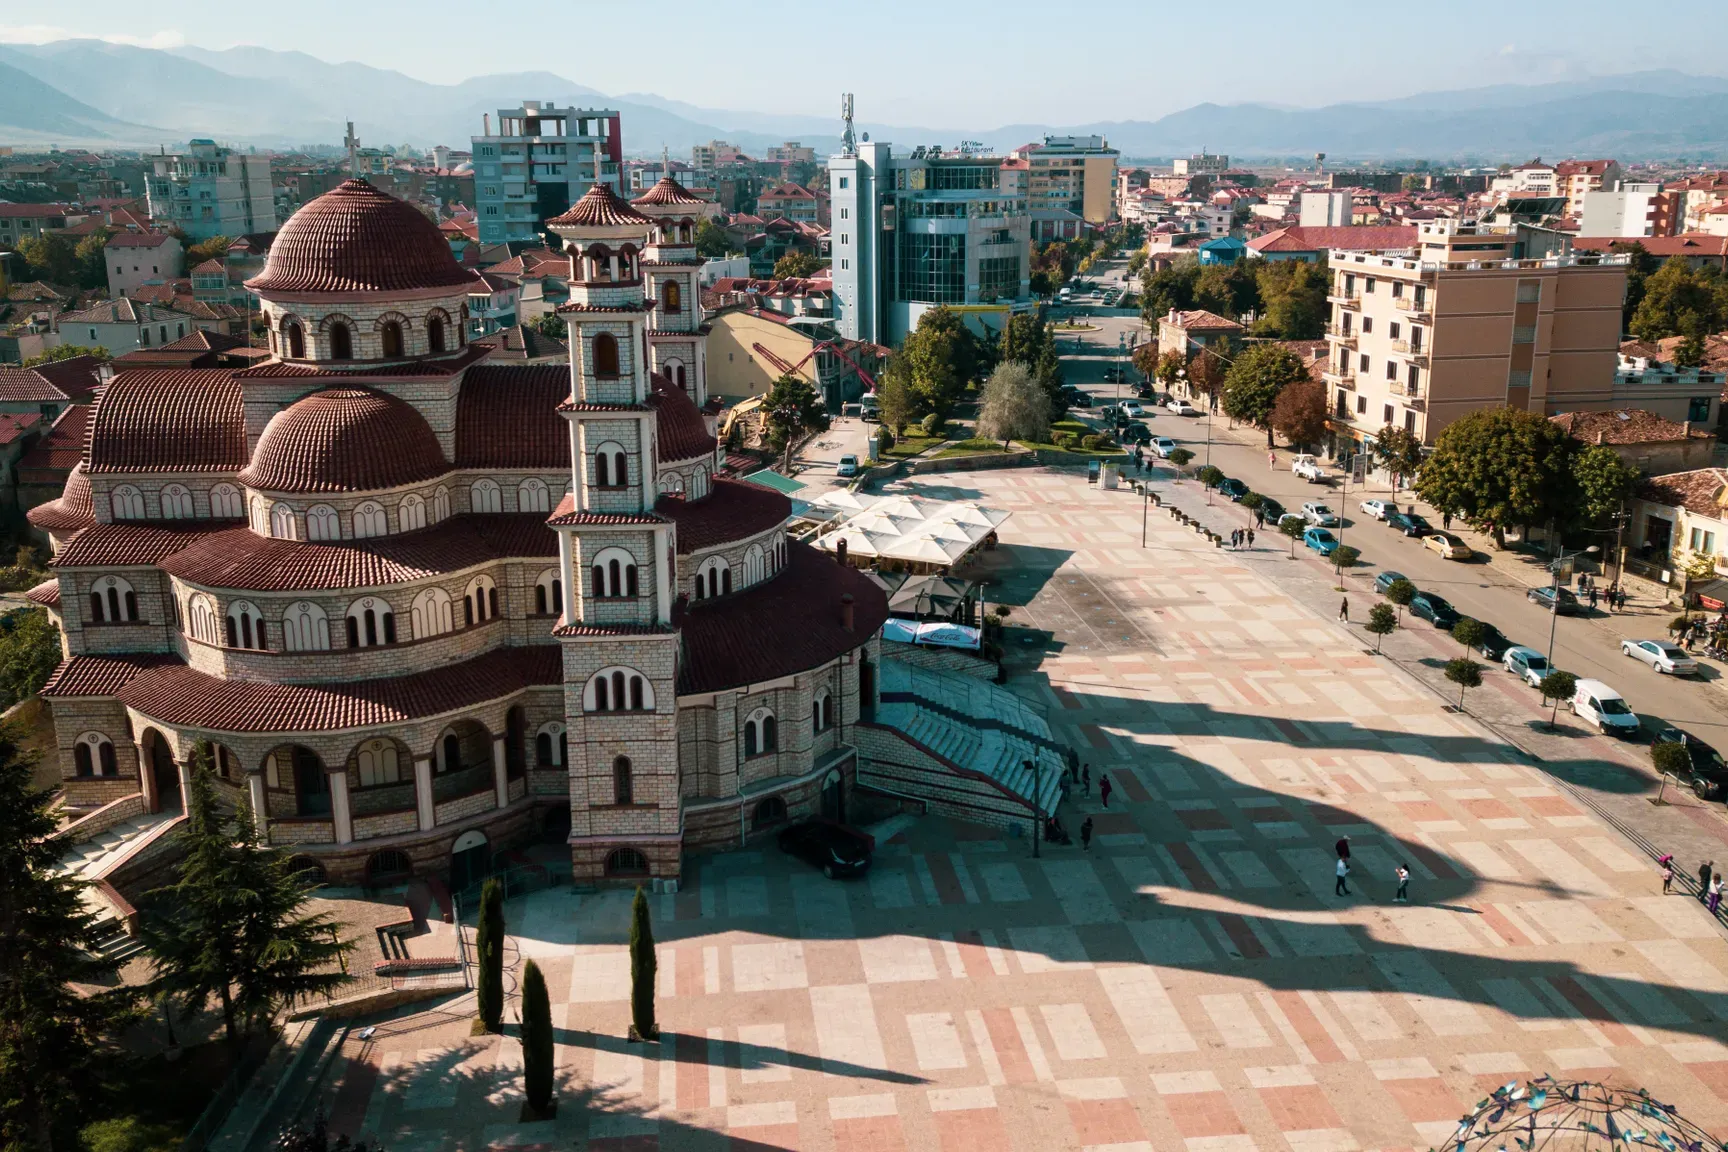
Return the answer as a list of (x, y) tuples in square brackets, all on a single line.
[(1192, 980)]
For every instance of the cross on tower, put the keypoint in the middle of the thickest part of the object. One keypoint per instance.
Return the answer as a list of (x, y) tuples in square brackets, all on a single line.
[(353, 143)]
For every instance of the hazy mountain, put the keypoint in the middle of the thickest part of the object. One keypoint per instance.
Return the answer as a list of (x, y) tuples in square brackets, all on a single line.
[(36, 112)]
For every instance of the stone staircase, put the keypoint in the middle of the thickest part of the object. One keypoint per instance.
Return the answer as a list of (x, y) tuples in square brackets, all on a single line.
[(101, 854)]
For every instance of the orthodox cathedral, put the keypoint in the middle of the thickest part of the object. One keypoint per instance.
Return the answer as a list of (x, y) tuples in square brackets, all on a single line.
[(423, 608)]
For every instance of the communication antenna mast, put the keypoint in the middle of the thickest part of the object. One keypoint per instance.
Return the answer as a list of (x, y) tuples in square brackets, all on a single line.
[(848, 142)]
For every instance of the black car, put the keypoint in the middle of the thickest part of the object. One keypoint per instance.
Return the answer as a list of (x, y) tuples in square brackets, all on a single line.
[(1435, 609), (1558, 600), (1409, 523), (1137, 434), (1494, 642), (837, 849), (1271, 509), (1709, 772), (1145, 391), (1079, 399), (1233, 488)]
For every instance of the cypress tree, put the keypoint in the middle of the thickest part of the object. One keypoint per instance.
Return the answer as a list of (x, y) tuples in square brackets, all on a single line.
[(536, 1040), (489, 948), (643, 963)]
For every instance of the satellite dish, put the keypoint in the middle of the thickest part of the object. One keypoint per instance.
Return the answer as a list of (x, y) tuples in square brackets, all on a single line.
[(866, 137)]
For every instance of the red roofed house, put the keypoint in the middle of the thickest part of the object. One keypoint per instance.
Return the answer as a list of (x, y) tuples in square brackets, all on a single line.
[(135, 259), (426, 608), (1573, 179), (1311, 243), (1190, 332), (49, 389), (45, 467), (793, 202), (24, 221)]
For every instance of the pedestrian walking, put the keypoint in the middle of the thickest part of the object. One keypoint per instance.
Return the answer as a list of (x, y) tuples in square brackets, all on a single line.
[(1272, 460), (1250, 539), (1340, 888), (1704, 877), (1344, 610), (1446, 521), (1667, 877), (1592, 597), (1086, 780), (1104, 789), (1715, 900), (1086, 835), (1403, 875), (1342, 848)]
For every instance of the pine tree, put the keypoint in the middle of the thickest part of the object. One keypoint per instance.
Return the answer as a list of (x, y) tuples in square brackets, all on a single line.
[(643, 962), (52, 1039), (232, 926), (536, 1040), (489, 950)]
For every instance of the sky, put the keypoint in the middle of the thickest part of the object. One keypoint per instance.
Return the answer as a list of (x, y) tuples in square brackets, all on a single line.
[(921, 62)]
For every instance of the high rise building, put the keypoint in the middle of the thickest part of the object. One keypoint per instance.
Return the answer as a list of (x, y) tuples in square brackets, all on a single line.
[(542, 159), (212, 191), (1070, 180)]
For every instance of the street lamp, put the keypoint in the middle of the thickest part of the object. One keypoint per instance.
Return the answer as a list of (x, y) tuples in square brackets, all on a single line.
[(1554, 608)]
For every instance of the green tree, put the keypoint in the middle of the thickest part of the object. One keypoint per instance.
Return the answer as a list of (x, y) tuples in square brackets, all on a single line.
[(68, 352), (1170, 365), (1399, 452), (489, 958), (1292, 299), (1602, 483), (1382, 622), (552, 327), (1678, 300), (1499, 466), (215, 248), (233, 926), (1145, 359), (1469, 632), (1671, 760), (1639, 268), (1211, 475), (1558, 686), (711, 240), (1344, 556), (1137, 262), (792, 409), (51, 257), (1299, 412), (29, 653), (941, 355), (1014, 406), (1206, 372), (1028, 339), (1227, 289), (643, 962), (1163, 289), (1465, 673), (1401, 592), (796, 265), (1414, 183), (92, 255), (1252, 385), (896, 404), (1180, 457), (537, 1046), (1293, 528), (54, 1040)]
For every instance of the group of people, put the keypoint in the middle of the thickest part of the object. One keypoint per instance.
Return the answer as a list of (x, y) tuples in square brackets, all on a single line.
[(1054, 832), (1709, 882), (1696, 630), (1592, 593), (1342, 887), (1242, 537)]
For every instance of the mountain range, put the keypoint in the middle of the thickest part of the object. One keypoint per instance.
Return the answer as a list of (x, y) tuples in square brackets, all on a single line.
[(94, 93)]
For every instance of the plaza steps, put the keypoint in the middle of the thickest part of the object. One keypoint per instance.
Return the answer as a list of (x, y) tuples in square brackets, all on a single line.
[(100, 855), (959, 745), (114, 943)]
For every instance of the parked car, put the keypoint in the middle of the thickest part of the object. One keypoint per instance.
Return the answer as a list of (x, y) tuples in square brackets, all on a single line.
[(1079, 399), (848, 466), (1375, 509), (1181, 407), (1308, 468), (1284, 516), (1493, 644), (837, 849), (1233, 488), (1271, 509), (1321, 541), (1596, 703), (1319, 514), (1449, 546), (1145, 391), (1409, 523), (1162, 446), (1131, 409), (1709, 777), (1386, 579), (1527, 664), (1666, 658), (1560, 601), (1437, 610), (1136, 434)]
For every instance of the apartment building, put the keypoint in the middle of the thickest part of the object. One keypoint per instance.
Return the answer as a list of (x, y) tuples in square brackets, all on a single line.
[(1576, 179), (1630, 210), (541, 160), (1699, 195), (793, 202), (716, 154), (791, 152), (212, 191), (27, 221), (1203, 164), (1069, 178), (1465, 323), (913, 232), (135, 259)]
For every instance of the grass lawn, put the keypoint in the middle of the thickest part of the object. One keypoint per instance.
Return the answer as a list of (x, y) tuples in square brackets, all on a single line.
[(1082, 452), (973, 447), (912, 444)]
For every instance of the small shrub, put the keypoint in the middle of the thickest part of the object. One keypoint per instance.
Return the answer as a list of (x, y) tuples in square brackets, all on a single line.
[(1401, 592), (1465, 673), (1094, 442), (1211, 475), (1468, 632), (932, 425), (884, 438), (1252, 501), (1382, 622), (1345, 556), (1558, 686), (1671, 760)]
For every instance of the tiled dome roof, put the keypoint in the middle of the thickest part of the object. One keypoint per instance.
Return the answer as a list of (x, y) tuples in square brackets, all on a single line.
[(355, 238), (72, 510), (682, 430), (599, 207), (344, 440), (667, 191)]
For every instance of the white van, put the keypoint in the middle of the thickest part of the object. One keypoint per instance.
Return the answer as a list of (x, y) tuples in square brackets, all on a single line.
[(1596, 703)]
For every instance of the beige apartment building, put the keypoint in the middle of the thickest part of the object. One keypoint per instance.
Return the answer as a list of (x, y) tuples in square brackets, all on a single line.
[(1462, 323)]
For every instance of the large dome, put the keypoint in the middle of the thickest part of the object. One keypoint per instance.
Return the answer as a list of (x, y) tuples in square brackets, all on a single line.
[(358, 239), (345, 440)]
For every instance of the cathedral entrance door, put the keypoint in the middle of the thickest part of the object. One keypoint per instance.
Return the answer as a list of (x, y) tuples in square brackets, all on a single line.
[(469, 861)]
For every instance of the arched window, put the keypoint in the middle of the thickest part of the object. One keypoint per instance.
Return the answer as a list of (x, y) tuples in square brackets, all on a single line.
[(611, 466), (678, 377), (322, 523), (203, 616), (713, 578), (390, 335), (380, 762), (614, 573), (282, 525), (485, 496), (93, 755), (671, 297), (246, 626), (769, 812), (305, 628), (370, 623), (296, 341), (618, 689), (623, 787), (821, 711), (177, 503), (755, 565), (532, 495), (112, 601), (431, 614), (440, 504), (759, 734), (479, 600), (605, 354), (370, 520), (411, 512), (698, 483), (435, 333), (626, 862), (127, 502), (548, 593), (671, 484), (226, 502), (550, 746), (341, 342)]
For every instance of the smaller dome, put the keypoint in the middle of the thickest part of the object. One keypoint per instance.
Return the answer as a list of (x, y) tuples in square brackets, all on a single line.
[(600, 207), (345, 440), (355, 238), (682, 432), (667, 192), (72, 510)]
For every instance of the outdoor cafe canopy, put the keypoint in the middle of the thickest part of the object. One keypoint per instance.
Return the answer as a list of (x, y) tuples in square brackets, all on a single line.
[(912, 529)]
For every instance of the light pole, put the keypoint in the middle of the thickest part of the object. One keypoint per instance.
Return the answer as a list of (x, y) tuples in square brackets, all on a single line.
[(1554, 608)]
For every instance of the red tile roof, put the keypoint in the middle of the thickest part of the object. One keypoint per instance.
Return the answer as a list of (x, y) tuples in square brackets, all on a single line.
[(15, 424), (356, 238), (679, 426), (72, 379), (1626, 426), (100, 675), (600, 207), (525, 342), (565, 515), (46, 594), (1685, 244), (619, 308), (345, 440), (71, 511), (1695, 491), (169, 420), (787, 624), (507, 417), (131, 544), (138, 240), (210, 268), (1200, 320), (732, 510), (667, 191), (1353, 237), (59, 451)]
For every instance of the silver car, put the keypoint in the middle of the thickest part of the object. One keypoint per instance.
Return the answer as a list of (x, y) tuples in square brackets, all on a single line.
[(1527, 664), (1662, 656)]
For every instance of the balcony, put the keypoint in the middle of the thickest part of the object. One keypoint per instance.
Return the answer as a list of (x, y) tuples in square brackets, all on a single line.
[(1347, 339), (1339, 379), (1346, 300), (1417, 309)]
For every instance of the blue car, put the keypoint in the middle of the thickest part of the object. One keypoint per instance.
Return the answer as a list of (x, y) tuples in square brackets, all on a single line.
[(1321, 541), (1232, 488), (1386, 579)]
